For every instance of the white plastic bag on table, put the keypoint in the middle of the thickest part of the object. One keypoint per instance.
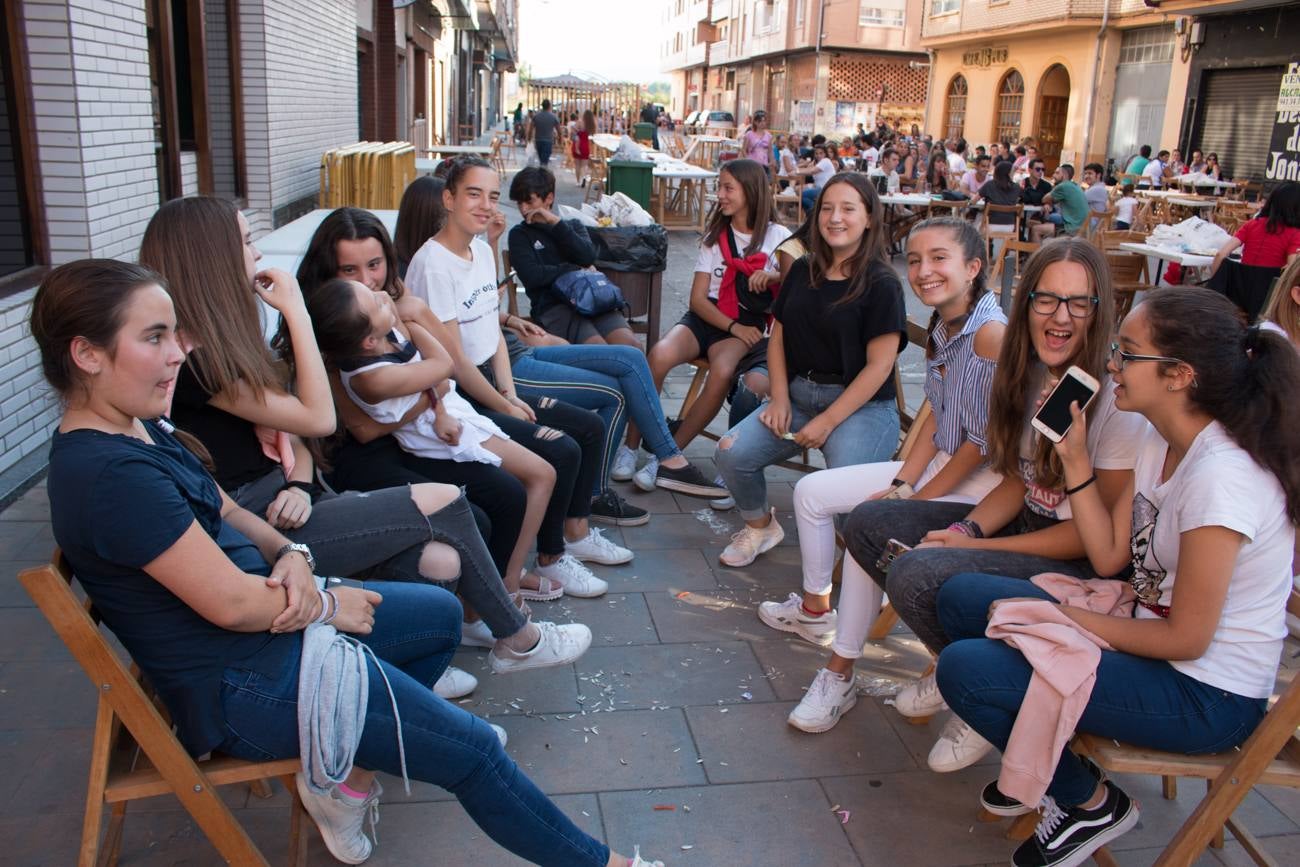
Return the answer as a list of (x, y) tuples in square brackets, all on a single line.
[(567, 213), (1192, 235), (628, 150)]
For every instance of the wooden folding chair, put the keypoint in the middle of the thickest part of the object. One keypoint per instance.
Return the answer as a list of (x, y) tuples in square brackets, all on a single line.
[(1269, 757), (597, 178), (498, 161), (135, 754), (1110, 239), (788, 202), (1016, 251)]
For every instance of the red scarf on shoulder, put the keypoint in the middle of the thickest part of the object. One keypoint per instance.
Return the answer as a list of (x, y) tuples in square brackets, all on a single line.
[(735, 284)]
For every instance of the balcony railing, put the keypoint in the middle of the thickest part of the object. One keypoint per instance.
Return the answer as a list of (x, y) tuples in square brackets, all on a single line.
[(719, 52)]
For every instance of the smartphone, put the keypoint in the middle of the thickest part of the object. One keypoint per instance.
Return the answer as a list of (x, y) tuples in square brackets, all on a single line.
[(1053, 419), (893, 550), (507, 279)]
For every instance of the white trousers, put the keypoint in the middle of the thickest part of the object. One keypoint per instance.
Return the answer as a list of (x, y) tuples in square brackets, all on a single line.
[(819, 497)]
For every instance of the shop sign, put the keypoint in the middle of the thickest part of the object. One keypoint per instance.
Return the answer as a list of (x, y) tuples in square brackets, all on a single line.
[(985, 57), (1284, 149)]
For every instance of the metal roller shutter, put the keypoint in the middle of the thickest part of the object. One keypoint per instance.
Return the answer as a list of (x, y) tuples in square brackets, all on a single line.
[(1237, 118)]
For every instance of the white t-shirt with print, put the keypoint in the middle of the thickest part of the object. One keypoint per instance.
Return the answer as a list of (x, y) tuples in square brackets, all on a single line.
[(1217, 484), (464, 290), (710, 258), (1112, 445), (870, 157), (823, 172)]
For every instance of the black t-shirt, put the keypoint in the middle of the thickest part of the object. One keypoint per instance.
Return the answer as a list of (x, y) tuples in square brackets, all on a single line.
[(117, 503), (825, 338), (1033, 192), (996, 195), (233, 444)]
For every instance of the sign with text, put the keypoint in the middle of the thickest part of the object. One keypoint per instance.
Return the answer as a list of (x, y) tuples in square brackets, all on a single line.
[(1284, 149), (987, 56)]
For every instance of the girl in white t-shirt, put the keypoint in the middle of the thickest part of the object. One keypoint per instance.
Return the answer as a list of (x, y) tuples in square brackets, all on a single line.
[(1207, 527), (1125, 207), (1063, 315), (716, 326)]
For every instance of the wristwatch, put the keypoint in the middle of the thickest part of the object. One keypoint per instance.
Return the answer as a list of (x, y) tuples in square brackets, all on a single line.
[(301, 549)]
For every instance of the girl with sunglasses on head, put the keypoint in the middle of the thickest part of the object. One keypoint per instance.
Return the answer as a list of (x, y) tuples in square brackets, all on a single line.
[(838, 326), (1206, 527), (1062, 316)]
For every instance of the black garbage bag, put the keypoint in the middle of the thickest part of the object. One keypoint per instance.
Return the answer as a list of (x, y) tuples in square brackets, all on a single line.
[(631, 248)]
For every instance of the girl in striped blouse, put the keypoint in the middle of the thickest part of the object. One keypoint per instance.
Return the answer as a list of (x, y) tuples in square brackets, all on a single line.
[(946, 268)]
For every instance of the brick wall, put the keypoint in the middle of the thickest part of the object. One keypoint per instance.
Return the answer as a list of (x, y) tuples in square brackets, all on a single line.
[(299, 60)]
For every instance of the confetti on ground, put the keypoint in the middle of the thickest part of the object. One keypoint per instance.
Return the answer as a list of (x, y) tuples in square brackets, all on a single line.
[(687, 846), (747, 696), (844, 816), (664, 807), (683, 594)]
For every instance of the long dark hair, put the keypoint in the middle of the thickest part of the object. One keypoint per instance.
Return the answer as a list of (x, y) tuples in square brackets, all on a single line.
[(1002, 176), (871, 247), (973, 248), (752, 178), (1016, 362), (1282, 210), (419, 216), (932, 175), (338, 322), (321, 261), (194, 243), (1247, 379)]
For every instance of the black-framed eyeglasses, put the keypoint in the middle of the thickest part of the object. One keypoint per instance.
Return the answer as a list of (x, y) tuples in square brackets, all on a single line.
[(1120, 358), (1078, 306)]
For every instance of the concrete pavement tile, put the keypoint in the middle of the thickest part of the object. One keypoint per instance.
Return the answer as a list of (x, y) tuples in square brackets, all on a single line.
[(12, 593), (656, 570), (657, 502), (675, 675), (16, 535), (552, 751), (409, 829), (884, 668), (618, 620), (751, 743), (919, 818), (778, 571), (1147, 857), (702, 528), (542, 690), (25, 634), (754, 824), (704, 615), (50, 840), (34, 505), (1287, 801), (39, 546), (43, 694), (45, 771), (1282, 848)]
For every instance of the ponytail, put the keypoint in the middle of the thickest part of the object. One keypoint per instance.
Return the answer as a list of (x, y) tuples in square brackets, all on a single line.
[(1247, 379), (973, 247)]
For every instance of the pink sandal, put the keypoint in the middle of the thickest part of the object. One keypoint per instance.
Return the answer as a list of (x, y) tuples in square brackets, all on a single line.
[(548, 589)]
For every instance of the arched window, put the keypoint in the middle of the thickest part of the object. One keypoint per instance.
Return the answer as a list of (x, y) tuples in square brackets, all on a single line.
[(1011, 104), (955, 110)]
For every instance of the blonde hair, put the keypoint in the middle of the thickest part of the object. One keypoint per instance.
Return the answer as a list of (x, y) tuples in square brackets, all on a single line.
[(1282, 310)]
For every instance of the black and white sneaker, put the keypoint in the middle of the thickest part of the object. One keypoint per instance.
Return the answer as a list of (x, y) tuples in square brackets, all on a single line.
[(1068, 837), (992, 799), (688, 480), (610, 508)]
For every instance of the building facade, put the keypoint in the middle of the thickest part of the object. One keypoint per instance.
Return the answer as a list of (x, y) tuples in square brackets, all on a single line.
[(814, 66), (112, 107), (1087, 80)]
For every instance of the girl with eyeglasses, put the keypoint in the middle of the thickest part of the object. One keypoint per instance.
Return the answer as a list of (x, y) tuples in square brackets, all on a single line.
[(1206, 528), (1062, 315)]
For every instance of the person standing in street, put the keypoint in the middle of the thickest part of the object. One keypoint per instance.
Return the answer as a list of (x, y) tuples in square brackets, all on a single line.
[(542, 132)]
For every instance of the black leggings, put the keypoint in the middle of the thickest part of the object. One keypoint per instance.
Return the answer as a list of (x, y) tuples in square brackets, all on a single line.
[(496, 497)]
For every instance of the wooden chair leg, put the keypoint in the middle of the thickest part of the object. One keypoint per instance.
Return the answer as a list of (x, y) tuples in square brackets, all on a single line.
[(1103, 858), (299, 825), (1169, 788), (1023, 826), (111, 849), (260, 789), (100, 754), (883, 623), (693, 391), (1216, 842)]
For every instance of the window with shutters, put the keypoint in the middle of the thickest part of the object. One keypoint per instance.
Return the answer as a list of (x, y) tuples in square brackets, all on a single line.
[(955, 108)]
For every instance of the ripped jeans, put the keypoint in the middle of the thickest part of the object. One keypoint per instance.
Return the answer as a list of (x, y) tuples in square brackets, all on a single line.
[(869, 435)]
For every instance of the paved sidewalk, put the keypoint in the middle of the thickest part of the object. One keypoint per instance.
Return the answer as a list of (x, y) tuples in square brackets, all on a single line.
[(681, 702)]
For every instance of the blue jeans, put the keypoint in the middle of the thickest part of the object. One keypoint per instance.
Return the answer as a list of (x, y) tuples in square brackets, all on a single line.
[(544, 151), (417, 629), (867, 436), (809, 198), (614, 381), (1141, 701), (743, 401)]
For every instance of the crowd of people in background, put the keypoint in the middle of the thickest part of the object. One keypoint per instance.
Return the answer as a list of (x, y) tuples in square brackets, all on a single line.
[(450, 463)]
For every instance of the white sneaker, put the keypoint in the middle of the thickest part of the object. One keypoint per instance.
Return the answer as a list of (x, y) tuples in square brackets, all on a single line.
[(645, 477), (455, 683), (722, 504), (624, 464), (920, 698), (501, 733), (339, 820), (559, 645), (576, 579), (828, 698), (960, 746), (476, 634), (638, 861), (751, 541), (789, 616), (598, 549)]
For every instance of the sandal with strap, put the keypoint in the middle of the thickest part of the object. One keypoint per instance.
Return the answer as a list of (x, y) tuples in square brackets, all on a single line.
[(548, 589)]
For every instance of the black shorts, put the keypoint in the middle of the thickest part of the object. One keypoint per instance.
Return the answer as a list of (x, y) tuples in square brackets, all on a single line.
[(705, 334)]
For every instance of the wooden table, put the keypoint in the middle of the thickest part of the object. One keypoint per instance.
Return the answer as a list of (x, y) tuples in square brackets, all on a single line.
[(673, 207), (1166, 254), (293, 238)]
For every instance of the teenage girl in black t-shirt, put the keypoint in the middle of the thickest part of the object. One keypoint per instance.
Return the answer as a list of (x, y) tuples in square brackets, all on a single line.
[(839, 325)]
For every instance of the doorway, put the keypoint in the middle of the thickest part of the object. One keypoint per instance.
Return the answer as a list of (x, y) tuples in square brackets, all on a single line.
[(1053, 106)]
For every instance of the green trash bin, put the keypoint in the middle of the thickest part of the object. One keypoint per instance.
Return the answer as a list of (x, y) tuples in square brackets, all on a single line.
[(633, 178), (642, 131)]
